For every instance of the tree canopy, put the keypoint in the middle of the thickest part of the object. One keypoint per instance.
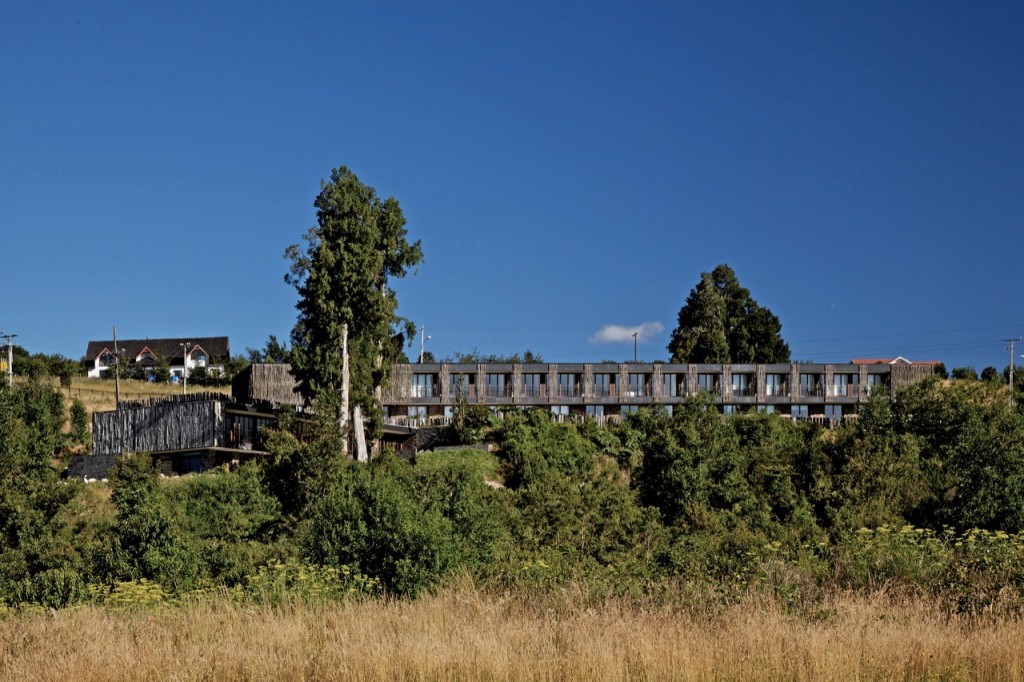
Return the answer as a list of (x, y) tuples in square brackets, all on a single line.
[(345, 305), (721, 322)]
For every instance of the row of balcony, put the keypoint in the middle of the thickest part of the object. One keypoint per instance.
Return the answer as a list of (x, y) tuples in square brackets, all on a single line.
[(541, 392)]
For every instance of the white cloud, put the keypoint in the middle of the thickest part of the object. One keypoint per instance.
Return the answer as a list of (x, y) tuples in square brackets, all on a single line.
[(615, 333)]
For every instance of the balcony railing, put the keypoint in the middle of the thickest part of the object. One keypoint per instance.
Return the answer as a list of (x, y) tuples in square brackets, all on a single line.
[(847, 391), (537, 391), (746, 391), (809, 391), (572, 391)]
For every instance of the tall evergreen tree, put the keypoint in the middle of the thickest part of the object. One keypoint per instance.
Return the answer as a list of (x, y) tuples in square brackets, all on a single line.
[(721, 322), (341, 340)]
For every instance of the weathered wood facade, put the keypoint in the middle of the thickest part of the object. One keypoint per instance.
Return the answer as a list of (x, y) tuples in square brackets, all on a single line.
[(428, 392), (167, 426)]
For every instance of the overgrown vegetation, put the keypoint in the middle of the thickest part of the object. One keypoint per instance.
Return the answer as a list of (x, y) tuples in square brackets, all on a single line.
[(924, 496)]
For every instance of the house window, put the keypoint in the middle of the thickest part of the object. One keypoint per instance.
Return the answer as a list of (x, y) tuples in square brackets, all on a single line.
[(766, 409), (670, 385), (417, 413), (706, 383), (798, 412), (422, 385), (728, 409), (808, 385), (604, 385), (629, 409), (740, 384), (560, 410), (875, 382), (533, 385), (595, 410), (198, 357), (637, 386), (567, 385), (459, 384), (774, 384), (834, 413), (496, 385)]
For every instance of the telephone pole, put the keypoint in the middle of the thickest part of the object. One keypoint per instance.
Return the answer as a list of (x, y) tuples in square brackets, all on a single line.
[(1011, 342), (117, 373), (184, 371)]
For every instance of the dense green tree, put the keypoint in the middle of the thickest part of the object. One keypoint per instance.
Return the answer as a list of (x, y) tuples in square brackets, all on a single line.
[(990, 374), (147, 542), (39, 558), (965, 374), (162, 369), (272, 351), (341, 343), (721, 322), (79, 431), (369, 517), (972, 453), (874, 471)]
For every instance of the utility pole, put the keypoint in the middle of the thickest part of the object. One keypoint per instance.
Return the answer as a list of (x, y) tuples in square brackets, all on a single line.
[(1011, 342), (10, 357), (117, 373), (184, 369), (422, 339)]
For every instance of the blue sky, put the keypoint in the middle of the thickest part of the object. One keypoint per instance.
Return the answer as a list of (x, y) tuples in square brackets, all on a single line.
[(567, 166)]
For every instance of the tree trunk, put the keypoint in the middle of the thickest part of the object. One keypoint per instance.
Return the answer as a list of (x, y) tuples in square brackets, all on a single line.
[(343, 418), (357, 425)]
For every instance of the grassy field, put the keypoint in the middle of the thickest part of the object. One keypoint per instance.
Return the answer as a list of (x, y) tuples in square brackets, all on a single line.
[(462, 634), (98, 394)]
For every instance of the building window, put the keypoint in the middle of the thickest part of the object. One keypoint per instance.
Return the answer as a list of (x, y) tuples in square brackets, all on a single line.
[(496, 385), (604, 385), (422, 385), (628, 410), (766, 409), (595, 410), (875, 382), (774, 384), (417, 413), (637, 385), (706, 383), (798, 412), (560, 410), (567, 385), (741, 384), (809, 385), (460, 384), (670, 385), (533, 386), (728, 409), (834, 413)]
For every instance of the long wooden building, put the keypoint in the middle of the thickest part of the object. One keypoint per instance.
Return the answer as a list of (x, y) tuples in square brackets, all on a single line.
[(196, 432)]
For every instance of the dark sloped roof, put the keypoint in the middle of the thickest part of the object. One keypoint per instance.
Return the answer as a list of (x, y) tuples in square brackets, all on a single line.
[(216, 347)]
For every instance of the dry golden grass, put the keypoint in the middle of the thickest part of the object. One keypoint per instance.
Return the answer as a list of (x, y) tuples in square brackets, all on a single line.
[(465, 635), (98, 394)]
